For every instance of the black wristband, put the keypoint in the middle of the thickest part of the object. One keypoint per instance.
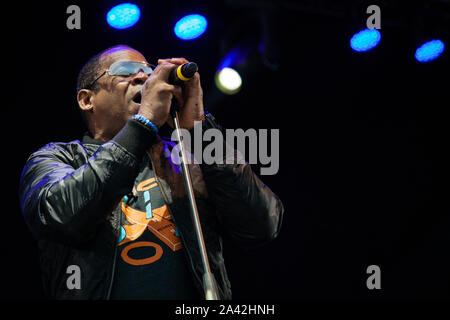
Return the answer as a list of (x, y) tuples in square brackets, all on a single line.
[(135, 137)]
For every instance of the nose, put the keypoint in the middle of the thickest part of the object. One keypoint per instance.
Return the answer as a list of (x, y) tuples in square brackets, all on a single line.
[(139, 78)]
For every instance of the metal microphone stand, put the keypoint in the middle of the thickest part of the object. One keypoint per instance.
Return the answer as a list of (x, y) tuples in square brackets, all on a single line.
[(209, 283)]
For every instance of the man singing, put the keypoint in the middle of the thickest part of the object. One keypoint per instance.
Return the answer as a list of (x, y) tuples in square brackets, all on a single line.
[(113, 207)]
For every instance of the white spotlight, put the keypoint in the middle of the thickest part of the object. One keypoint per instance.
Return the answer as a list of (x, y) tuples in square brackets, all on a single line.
[(228, 80)]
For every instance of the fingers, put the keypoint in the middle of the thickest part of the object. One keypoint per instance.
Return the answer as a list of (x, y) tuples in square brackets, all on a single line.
[(177, 61), (163, 70), (193, 86), (194, 81), (178, 94)]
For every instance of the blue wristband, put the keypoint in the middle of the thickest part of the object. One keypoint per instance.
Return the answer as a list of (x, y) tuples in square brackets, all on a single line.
[(146, 122)]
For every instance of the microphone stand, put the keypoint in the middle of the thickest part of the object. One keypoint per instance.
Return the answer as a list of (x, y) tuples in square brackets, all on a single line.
[(209, 283)]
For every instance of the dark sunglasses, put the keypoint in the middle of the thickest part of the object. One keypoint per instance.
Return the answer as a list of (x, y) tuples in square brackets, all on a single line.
[(125, 68)]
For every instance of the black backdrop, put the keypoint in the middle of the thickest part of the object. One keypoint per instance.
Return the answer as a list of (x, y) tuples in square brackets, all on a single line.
[(362, 141)]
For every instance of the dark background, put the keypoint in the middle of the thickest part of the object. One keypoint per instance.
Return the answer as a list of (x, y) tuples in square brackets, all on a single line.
[(363, 136)]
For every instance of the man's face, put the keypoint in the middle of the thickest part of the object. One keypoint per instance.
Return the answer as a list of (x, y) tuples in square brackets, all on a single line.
[(119, 96)]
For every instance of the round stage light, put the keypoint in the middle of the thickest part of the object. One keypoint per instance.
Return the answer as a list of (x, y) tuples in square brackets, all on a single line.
[(228, 80), (429, 51), (123, 16), (190, 27), (365, 40)]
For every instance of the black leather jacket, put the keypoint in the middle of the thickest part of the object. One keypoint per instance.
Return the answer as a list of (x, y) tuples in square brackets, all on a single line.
[(70, 197)]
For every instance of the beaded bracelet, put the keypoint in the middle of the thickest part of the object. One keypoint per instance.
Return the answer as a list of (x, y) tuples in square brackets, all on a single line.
[(146, 122)]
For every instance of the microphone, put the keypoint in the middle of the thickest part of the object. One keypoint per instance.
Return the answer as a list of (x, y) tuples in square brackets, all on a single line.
[(183, 73)]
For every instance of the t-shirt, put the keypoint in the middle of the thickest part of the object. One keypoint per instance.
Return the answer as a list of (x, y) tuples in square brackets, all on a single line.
[(151, 262)]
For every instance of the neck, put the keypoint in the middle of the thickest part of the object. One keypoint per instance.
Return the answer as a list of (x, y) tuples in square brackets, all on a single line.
[(100, 131), (100, 134)]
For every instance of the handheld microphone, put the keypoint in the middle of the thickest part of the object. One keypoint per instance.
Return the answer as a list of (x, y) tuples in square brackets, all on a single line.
[(183, 73)]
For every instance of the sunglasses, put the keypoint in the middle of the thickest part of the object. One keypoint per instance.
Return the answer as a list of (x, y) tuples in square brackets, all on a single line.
[(125, 68)]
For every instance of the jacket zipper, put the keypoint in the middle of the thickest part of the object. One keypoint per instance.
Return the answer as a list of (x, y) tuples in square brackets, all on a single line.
[(173, 217), (108, 294), (115, 254)]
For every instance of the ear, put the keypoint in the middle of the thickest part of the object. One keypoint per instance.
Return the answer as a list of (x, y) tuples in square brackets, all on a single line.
[(85, 99)]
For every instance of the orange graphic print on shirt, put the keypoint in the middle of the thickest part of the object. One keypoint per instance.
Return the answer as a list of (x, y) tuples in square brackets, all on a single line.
[(155, 220)]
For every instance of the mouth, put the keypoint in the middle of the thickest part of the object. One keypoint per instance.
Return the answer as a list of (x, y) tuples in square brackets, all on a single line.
[(137, 97)]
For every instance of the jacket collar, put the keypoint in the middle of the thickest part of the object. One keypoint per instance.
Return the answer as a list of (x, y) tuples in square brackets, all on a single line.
[(87, 139)]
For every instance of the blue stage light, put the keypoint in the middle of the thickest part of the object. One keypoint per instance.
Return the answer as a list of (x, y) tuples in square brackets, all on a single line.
[(123, 16), (365, 40), (190, 27), (429, 51)]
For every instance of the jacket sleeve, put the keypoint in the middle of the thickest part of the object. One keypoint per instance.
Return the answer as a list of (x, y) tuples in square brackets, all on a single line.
[(64, 203), (250, 212)]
